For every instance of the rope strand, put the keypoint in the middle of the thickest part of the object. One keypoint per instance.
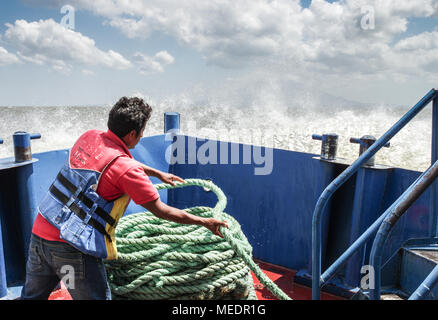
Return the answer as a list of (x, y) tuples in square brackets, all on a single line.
[(160, 259)]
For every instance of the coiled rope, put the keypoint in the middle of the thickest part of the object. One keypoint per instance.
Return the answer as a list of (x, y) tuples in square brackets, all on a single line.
[(159, 259)]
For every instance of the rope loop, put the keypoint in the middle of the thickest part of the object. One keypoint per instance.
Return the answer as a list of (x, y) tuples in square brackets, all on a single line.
[(160, 259)]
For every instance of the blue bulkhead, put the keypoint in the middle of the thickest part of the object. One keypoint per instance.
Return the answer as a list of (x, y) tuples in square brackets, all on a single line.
[(275, 209)]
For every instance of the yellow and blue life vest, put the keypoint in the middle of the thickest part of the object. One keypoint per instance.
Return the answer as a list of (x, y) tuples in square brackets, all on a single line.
[(72, 205)]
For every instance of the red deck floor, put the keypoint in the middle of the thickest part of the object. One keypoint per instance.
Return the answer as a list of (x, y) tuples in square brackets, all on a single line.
[(283, 277)]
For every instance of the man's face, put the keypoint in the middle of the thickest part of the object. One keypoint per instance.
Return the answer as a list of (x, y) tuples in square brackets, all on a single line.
[(133, 139)]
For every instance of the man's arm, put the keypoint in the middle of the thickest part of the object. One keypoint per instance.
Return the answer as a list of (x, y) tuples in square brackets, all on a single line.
[(163, 211), (163, 176)]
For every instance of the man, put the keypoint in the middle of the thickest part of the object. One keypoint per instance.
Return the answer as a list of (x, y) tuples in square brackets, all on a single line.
[(75, 227)]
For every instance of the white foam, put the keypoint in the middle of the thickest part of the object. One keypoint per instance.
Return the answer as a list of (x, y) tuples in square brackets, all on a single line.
[(291, 126)]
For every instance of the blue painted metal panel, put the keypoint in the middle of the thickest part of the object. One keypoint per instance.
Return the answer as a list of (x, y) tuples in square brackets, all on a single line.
[(341, 220), (426, 288), (27, 203), (325, 174), (368, 205), (415, 222), (46, 169), (152, 152), (274, 210), (3, 283), (433, 217), (17, 212), (415, 268), (13, 242), (403, 203)]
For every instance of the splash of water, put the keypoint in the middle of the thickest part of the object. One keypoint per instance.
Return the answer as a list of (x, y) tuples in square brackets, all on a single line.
[(290, 127)]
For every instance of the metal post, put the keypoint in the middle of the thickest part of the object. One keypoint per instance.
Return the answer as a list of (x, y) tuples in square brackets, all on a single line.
[(27, 204), (171, 122), (365, 143), (3, 283), (329, 145), (405, 201), (433, 213), (22, 148), (367, 205), (426, 287)]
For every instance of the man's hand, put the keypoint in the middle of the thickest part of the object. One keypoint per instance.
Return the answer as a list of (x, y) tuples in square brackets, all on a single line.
[(214, 225), (168, 178), (163, 176), (163, 211)]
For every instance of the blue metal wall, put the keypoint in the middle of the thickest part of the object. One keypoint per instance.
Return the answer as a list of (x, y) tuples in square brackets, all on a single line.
[(275, 210)]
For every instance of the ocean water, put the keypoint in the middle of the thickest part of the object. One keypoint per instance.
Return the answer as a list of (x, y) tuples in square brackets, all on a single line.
[(279, 125)]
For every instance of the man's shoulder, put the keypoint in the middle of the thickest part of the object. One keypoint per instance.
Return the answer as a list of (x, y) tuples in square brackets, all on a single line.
[(92, 132), (88, 134), (124, 163)]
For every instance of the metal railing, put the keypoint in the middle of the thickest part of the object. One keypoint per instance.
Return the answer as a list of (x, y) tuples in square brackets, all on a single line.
[(403, 203), (317, 280), (426, 287)]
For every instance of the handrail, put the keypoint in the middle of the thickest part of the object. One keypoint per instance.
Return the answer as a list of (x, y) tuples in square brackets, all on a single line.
[(405, 202), (342, 178), (426, 286), (331, 271)]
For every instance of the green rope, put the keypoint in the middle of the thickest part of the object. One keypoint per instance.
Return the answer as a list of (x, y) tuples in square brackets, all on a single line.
[(159, 259)]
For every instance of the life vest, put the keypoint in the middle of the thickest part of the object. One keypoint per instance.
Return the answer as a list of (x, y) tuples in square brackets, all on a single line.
[(72, 205)]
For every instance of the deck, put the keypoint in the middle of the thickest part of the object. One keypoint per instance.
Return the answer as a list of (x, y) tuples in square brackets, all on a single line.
[(283, 277)]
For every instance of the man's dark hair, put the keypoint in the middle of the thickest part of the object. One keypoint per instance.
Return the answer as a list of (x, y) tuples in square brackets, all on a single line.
[(128, 114)]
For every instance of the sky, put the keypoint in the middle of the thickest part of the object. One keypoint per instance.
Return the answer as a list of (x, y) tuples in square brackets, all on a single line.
[(81, 52)]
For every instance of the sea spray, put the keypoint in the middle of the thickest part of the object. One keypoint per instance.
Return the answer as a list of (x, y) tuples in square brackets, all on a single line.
[(288, 127)]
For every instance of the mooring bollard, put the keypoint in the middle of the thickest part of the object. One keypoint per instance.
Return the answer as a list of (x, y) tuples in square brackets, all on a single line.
[(24, 194), (171, 122), (365, 143), (329, 145), (22, 148)]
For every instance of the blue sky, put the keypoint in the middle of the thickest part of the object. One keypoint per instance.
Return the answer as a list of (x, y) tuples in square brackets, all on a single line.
[(162, 49)]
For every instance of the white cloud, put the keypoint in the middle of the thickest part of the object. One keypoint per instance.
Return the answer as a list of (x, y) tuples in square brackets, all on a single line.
[(324, 41), (164, 58), (7, 57), (153, 64), (48, 42), (233, 33)]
